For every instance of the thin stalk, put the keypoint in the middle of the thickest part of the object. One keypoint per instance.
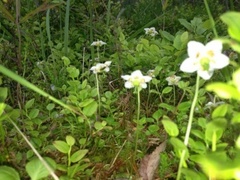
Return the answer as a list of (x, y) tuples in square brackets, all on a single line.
[(138, 116), (48, 26), (174, 95), (189, 127), (108, 12), (91, 28), (211, 19), (98, 94), (31, 86), (50, 170), (214, 141), (66, 28)]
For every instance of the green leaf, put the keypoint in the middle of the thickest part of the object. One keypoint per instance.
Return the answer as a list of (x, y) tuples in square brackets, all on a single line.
[(3, 94), (215, 128), (235, 118), (153, 128), (33, 113), (61, 146), (50, 106), (186, 24), (29, 103), (220, 111), (99, 125), (90, 109), (139, 47), (36, 170), (167, 35), (156, 115), (78, 155), (66, 60), (223, 90), (167, 90), (236, 79), (170, 127), (179, 146), (70, 140), (232, 21), (8, 173)]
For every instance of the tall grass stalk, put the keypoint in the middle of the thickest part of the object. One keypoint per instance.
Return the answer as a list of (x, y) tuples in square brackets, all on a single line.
[(91, 28), (108, 12), (48, 26), (31, 86), (211, 19), (50, 170), (66, 28)]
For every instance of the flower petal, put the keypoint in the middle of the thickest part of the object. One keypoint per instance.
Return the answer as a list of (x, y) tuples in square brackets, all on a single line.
[(220, 61), (195, 48), (126, 77), (214, 45), (189, 65), (143, 85), (205, 74), (128, 85)]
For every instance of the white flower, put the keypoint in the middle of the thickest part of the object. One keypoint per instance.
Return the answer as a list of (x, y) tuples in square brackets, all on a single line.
[(98, 43), (136, 79), (204, 59), (173, 80), (151, 73), (99, 67), (150, 31), (211, 104)]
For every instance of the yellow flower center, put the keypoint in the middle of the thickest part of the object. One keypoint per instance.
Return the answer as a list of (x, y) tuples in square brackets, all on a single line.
[(204, 62)]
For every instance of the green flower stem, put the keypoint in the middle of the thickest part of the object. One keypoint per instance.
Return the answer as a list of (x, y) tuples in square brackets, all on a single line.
[(187, 135), (138, 116), (174, 95), (214, 141), (211, 18), (98, 94)]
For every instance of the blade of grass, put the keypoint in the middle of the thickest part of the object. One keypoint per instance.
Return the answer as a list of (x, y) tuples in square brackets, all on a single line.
[(66, 28), (31, 86)]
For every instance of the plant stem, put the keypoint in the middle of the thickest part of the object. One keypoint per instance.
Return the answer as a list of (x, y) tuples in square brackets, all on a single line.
[(66, 31), (138, 116), (211, 18), (98, 93), (190, 120)]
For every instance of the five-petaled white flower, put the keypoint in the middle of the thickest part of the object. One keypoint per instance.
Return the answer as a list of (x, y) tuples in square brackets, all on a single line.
[(99, 67), (204, 59), (98, 43), (173, 80), (136, 79), (151, 31)]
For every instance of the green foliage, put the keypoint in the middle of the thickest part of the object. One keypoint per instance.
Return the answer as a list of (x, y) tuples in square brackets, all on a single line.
[(88, 125)]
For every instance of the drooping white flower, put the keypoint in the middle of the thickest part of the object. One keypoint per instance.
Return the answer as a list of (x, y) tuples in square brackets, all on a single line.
[(99, 67), (98, 43), (204, 59), (151, 31), (136, 79), (173, 80)]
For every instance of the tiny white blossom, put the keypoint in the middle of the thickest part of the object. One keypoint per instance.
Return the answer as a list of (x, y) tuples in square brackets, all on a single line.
[(204, 59), (211, 104), (136, 79), (98, 43), (173, 80), (151, 73), (150, 31), (99, 67)]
